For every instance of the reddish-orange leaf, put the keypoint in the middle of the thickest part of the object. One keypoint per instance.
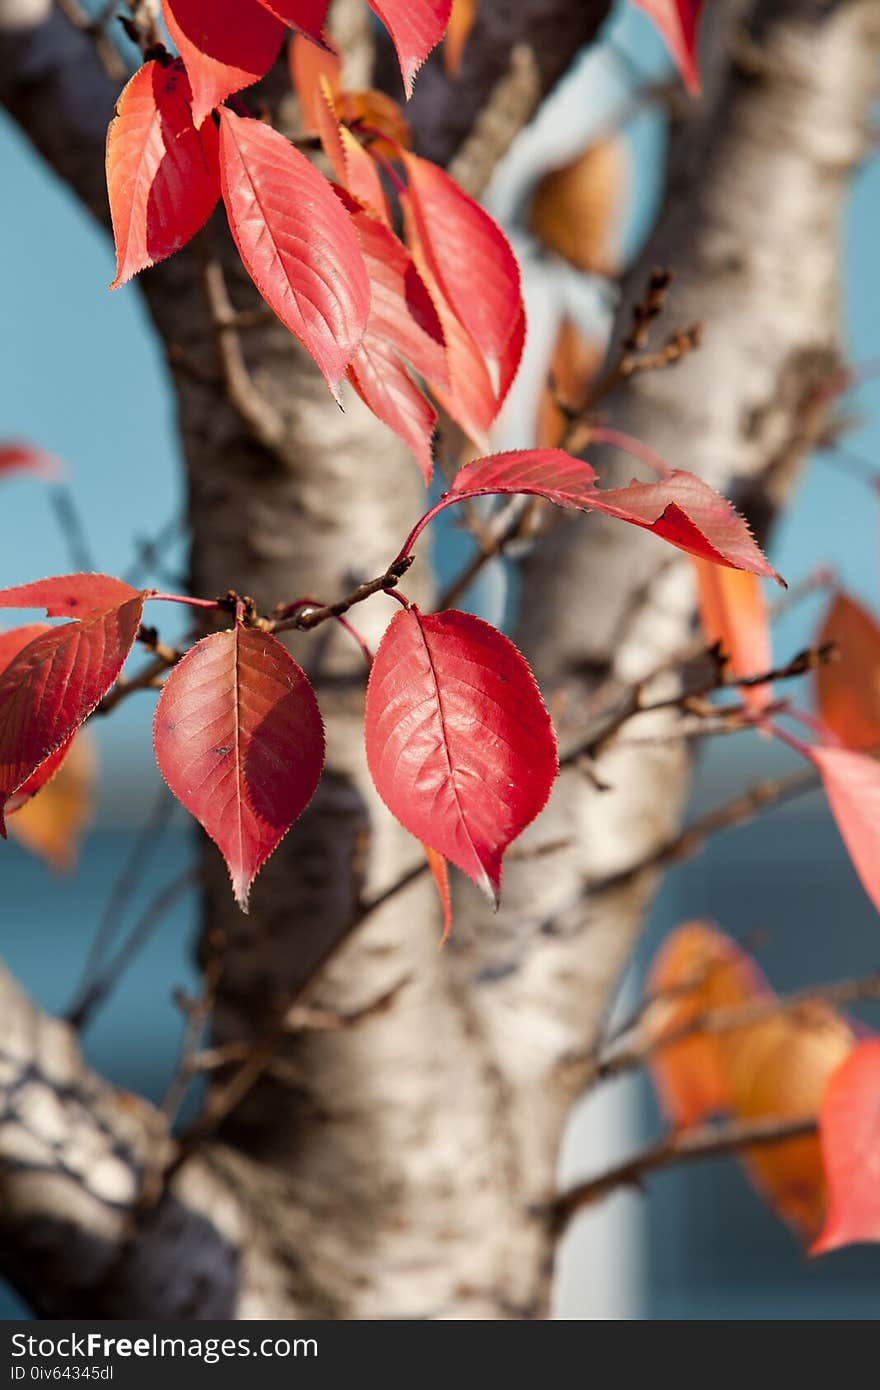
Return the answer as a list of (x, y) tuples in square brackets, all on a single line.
[(440, 874), (852, 785), (680, 507), (403, 325), (848, 690), (415, 26), (17, 457), (296, 240), (461, 22), (163, 176), (482, 287), (69, 595), (240, 741), (459, 742), (777, 1069), (678, 22), (734, 613), (698, 969), (225, 44), (849, 1130), (309, 65), (53, 685)]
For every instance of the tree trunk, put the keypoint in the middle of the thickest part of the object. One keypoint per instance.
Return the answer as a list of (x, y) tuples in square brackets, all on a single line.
[(391, 1167)]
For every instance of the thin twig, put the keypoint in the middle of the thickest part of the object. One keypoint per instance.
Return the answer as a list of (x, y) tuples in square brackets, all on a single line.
[(135, 866), (104, 984), (618, 1059), (72, 528), (680, 1146)]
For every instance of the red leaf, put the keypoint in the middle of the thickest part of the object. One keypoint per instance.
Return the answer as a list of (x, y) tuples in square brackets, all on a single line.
[(309, 16), (225, 44), (678, 21), (849, 1130), (239, 740), (53, 685), (470, 398), (11, 643), (296, 241), (24, 458), (403, 324), (163, 175), (440, 874), (459, 743), (415, 26), (852, 785), (471, 260), (69, 595), (680, 507)]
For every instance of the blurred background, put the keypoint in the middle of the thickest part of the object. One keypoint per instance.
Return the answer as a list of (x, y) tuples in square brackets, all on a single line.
[(82, 376)]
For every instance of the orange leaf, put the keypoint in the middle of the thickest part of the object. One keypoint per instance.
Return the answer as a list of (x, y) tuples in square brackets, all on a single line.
[(848, 690), (778, 1069), (849, 1131), (852, 785), (52, 823), (461, 22), (698, 969), (577, 210), (733, 612)]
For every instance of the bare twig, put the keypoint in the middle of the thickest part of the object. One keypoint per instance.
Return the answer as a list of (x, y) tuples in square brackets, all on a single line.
[(133, 870), (104, 984), (680, 1146)]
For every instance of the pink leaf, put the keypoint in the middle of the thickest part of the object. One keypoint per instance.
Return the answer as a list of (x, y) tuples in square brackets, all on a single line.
[(471, 260), (225, 44), (849, 1130), (459, 742), (17, 457), (163, 175), (69, 595), (678, 22), (852, 785), (415, 26), (680, 507), (239, 740), (296, 241), (54, 683)]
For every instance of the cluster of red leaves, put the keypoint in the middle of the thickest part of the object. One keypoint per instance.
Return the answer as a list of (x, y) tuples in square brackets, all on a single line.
[(458, 740), (780, 1063), (383, 314)]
